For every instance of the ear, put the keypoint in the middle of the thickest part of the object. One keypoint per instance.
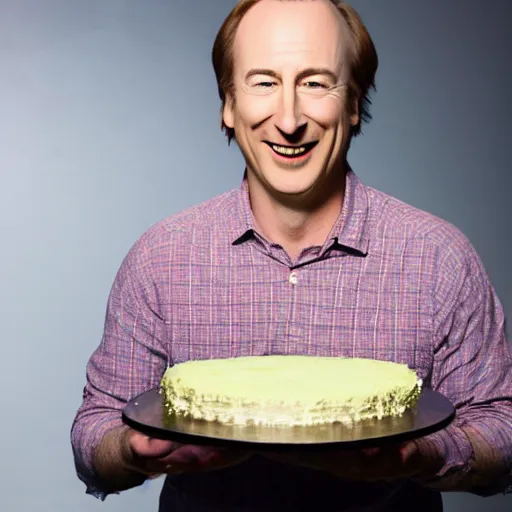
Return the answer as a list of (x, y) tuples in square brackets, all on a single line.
[(228, 114), (354, 116)]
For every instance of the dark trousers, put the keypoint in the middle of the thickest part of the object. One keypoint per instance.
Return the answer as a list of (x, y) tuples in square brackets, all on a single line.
[(260, 485)]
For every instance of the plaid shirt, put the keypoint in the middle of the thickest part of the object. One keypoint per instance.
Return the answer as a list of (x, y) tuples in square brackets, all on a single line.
[(390, 282)]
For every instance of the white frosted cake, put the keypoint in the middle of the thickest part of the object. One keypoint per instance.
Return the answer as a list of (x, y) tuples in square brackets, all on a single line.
[(289, 390)]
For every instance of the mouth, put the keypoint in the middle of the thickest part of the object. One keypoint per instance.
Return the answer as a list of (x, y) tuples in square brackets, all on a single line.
[(291, 152)]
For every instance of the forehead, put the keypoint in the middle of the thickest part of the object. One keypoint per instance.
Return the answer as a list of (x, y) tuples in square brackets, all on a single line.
[(302, 33)]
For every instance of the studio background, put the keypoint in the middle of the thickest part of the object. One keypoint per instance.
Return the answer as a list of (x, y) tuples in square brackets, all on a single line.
[(109, 121)]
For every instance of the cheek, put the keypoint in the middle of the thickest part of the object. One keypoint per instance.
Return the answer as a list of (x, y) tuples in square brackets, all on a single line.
[(255, 109), (326, 112)]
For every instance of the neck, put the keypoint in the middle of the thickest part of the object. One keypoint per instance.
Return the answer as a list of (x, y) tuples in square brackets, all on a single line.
[(297, 222)]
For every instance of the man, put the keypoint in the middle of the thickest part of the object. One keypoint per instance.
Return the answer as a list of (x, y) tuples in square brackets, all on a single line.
[(302, 259)]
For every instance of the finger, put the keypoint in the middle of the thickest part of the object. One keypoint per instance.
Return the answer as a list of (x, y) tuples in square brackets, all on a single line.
[(159, 467), (206, 455), (147, 447), (188, 454), (430, 460), (176, 461), (408, 451), (400, 461), (190, 458)]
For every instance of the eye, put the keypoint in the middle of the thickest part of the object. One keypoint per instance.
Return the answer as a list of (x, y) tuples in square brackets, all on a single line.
[(261, 85), (311, 84), (265, 84)]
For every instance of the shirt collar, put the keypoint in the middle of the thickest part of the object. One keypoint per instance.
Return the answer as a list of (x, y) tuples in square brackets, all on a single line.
[(350, 231), (245, 227)]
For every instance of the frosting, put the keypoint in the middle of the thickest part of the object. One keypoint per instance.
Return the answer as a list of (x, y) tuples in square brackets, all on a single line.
[(289, 390)]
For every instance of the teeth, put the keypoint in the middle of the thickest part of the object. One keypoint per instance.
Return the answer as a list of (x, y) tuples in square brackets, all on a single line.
[(288, 151)]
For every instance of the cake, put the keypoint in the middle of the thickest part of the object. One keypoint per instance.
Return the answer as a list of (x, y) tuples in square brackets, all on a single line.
[(288, 390)]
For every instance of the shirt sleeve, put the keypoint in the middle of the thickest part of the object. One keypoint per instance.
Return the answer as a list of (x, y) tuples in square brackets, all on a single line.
[(130, 360), (472, 368)]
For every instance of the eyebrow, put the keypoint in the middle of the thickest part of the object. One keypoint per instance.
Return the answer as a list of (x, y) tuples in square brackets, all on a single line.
[(304, 73)]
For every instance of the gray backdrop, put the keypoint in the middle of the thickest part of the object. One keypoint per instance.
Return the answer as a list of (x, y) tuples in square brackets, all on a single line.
[(109, 122)]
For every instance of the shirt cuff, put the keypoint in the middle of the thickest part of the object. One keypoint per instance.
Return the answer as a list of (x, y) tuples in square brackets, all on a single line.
[(95, 486), (457, 453)]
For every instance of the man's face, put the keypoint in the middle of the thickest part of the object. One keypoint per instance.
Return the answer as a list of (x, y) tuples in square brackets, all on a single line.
[(291, 114)]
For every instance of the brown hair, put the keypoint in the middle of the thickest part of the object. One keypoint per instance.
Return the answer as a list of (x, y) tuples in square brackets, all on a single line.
[(364, 61)]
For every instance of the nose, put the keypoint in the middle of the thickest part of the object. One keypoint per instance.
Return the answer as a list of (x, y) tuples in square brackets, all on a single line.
[(289, 115)]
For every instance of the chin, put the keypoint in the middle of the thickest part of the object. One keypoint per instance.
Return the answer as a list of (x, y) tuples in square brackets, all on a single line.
[(293, 186)]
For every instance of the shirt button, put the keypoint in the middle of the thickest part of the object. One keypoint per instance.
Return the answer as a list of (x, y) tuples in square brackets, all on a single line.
[(294, 279)]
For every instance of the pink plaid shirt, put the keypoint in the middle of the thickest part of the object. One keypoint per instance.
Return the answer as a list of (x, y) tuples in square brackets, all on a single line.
[(390, 282)]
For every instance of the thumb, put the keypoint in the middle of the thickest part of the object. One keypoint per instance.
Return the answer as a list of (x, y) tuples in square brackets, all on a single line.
[(408, 451), (412, 458)]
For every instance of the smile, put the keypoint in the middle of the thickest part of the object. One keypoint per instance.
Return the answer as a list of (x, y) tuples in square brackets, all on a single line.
[(292, 151)]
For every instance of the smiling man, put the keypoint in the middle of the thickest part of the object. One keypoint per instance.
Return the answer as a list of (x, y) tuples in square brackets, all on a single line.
[(292, 110), (303, 258)]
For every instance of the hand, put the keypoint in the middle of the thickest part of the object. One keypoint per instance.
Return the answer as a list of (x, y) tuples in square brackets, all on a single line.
[(394, 462), (154, 457)]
